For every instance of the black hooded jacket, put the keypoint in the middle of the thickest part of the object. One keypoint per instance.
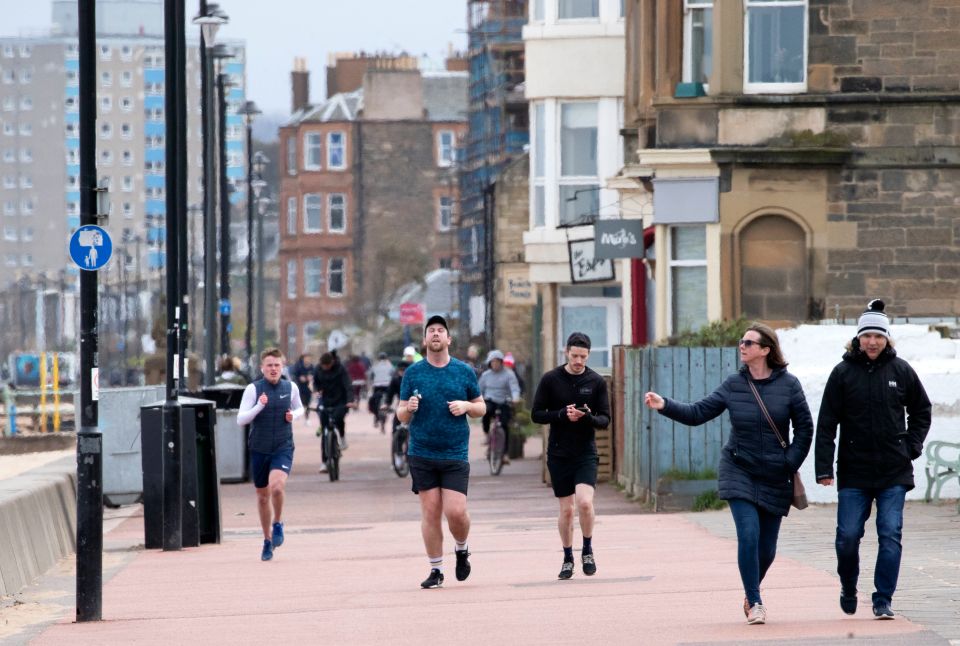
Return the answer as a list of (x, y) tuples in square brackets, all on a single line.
[(884, 415), (753, 464), (333, 384)]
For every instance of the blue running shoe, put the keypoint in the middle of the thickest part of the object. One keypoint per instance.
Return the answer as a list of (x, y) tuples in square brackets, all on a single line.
[(277, 536), (267, 553)]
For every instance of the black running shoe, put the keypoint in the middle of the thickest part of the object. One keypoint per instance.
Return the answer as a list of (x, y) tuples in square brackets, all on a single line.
[(589, 565), (882, 610), (435, 580), (463, 564), (848, 602), (566, 570)]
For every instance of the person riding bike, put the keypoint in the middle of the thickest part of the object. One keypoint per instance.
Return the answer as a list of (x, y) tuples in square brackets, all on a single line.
[(393, 390), (499, 389), (332, 384), (381, 373)]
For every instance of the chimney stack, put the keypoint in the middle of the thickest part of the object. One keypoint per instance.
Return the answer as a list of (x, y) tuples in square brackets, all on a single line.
[(300, 83)]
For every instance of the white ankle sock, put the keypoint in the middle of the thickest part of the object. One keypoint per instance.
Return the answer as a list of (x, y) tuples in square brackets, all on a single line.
[(437, 563), (461, 547)]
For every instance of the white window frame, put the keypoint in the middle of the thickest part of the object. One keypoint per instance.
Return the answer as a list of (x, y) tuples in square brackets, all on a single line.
[(596, 18), (312, 142), (317, 261), (774, 88), (343, 277), (689, 6), (292, 215), (343, 207), (588, 182), (444, 210), (126, 104), (291, 155), (26, 103), (26, 130), (126, 78), (126, 158), (306, 213), (538, 162), (614, 308), (673, 263), (291, 279), (105, 52), (106, 103), (446, 154), (106, 78), (106, 157), (342, 147)]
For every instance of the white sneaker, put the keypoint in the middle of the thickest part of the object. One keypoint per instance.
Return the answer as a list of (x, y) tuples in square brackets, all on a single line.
[(757, 614), (323, 467)]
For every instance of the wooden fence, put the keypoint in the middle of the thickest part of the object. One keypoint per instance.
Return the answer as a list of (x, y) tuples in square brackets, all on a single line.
[(648, 444)]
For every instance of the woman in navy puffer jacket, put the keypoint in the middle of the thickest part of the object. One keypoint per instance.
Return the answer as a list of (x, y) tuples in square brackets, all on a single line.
[(756, 472)]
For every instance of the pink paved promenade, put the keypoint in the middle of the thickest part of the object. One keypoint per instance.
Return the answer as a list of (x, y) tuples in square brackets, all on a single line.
[(350, 569)]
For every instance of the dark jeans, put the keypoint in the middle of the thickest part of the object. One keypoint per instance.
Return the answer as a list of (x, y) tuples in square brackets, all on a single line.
[(337, 416), (757, 532), (506, 414), (853, 511)]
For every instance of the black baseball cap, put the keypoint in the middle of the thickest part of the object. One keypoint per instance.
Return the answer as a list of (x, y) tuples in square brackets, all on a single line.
[(433, 320)]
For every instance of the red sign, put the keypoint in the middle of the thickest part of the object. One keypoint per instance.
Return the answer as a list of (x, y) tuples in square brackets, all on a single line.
[(412, 314)]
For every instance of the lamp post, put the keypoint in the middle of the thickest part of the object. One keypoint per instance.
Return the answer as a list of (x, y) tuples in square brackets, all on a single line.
[(259, 161), (221, 52), (262, 204), (249, 110), (210, 20)]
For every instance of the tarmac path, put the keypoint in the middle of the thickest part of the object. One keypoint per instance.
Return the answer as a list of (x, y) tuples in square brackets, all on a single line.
[(350, 569)]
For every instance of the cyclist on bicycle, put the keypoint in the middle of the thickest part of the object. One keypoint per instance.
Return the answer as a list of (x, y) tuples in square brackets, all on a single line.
[(381, 373), (335, 394), (500, 389)]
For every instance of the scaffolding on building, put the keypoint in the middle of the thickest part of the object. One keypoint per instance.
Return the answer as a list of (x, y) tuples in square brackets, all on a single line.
[(497, 131)]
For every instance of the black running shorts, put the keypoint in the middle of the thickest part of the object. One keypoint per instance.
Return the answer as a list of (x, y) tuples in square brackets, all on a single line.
[(427, 473), (567, 473), (261, 464)]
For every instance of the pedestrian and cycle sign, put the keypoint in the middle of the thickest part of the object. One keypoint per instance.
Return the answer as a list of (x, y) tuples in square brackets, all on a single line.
[(224, 306), (91, 247)]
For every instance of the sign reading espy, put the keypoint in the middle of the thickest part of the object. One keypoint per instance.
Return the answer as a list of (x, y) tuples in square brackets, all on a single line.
[(90, 247), (619, 238)]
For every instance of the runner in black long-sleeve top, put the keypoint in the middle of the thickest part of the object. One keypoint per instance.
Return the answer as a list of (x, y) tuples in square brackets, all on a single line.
[(573, 400)]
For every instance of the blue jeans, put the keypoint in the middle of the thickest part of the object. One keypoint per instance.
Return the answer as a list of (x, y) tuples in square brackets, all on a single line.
[(757, 532), (853, 511)]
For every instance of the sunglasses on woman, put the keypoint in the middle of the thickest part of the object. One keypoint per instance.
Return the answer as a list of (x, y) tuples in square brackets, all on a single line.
[(750, 342)]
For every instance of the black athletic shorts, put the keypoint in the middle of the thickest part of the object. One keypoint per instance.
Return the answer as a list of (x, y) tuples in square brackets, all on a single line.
[(567, 473), (427, 473), (261, 464)]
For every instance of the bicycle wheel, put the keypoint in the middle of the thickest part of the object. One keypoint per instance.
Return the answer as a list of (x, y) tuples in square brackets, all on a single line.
[(331, 449), (398, 455), (496, 448), (335, 466)]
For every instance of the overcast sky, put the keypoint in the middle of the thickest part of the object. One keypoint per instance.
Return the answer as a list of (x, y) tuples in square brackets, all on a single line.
[(276, 31)]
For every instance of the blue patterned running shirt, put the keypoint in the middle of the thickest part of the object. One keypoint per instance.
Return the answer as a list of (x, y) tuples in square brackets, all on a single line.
[(435, 432)]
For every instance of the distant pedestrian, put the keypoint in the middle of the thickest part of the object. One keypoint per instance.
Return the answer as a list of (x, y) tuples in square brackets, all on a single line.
[(884, 414), (335, 394), (230, 372), (300, 374), (572, 399), (500, 391), (381, 374), (436, 396), (269, 406), (756, 473)]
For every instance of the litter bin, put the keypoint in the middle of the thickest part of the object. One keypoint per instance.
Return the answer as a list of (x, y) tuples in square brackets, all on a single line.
[(200, 500), (233, 455)]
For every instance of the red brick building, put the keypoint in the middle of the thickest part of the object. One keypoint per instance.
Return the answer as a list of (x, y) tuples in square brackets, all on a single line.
[(367, 199)]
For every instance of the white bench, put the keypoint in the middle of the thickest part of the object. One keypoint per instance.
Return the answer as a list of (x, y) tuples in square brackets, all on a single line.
[(943, 464)]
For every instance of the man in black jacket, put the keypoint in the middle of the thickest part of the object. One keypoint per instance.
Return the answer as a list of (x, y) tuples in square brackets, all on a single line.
[(867, 394), (573, 400), (335, 392)]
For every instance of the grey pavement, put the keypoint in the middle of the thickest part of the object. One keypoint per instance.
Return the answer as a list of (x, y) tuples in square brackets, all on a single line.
[(350, 569)]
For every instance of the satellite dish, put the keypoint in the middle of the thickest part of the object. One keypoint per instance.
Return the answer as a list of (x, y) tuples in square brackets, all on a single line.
[(337, 340)]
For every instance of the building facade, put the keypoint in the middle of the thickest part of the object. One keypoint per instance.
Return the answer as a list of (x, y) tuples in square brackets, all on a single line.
[(368, 199), (574, 83), (799, 157)]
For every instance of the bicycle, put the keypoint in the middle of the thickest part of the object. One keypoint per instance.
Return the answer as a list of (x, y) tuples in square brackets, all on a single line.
[(497, 444), (330, 441), (398, 448)]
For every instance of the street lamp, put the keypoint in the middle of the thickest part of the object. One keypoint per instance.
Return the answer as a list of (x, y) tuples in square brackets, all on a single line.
[(210, 20), (249, 110), (221, 52), (262, 205)]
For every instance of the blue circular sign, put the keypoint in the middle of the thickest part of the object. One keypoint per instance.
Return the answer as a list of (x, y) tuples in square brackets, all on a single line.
[(91, 247)]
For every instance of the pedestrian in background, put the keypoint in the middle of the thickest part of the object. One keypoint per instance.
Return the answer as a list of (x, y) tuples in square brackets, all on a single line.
[(884, 415), (334, 392), (756, 473), (500, 390), (573, 400), (436, 397), (269, 406), (300, 374)]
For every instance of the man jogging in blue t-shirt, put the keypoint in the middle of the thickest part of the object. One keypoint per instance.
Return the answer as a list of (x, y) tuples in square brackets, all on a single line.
[(435, 395), (269, 406)]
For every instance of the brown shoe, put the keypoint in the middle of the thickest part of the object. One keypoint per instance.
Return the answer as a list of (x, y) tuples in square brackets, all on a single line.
[(746, 607)]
